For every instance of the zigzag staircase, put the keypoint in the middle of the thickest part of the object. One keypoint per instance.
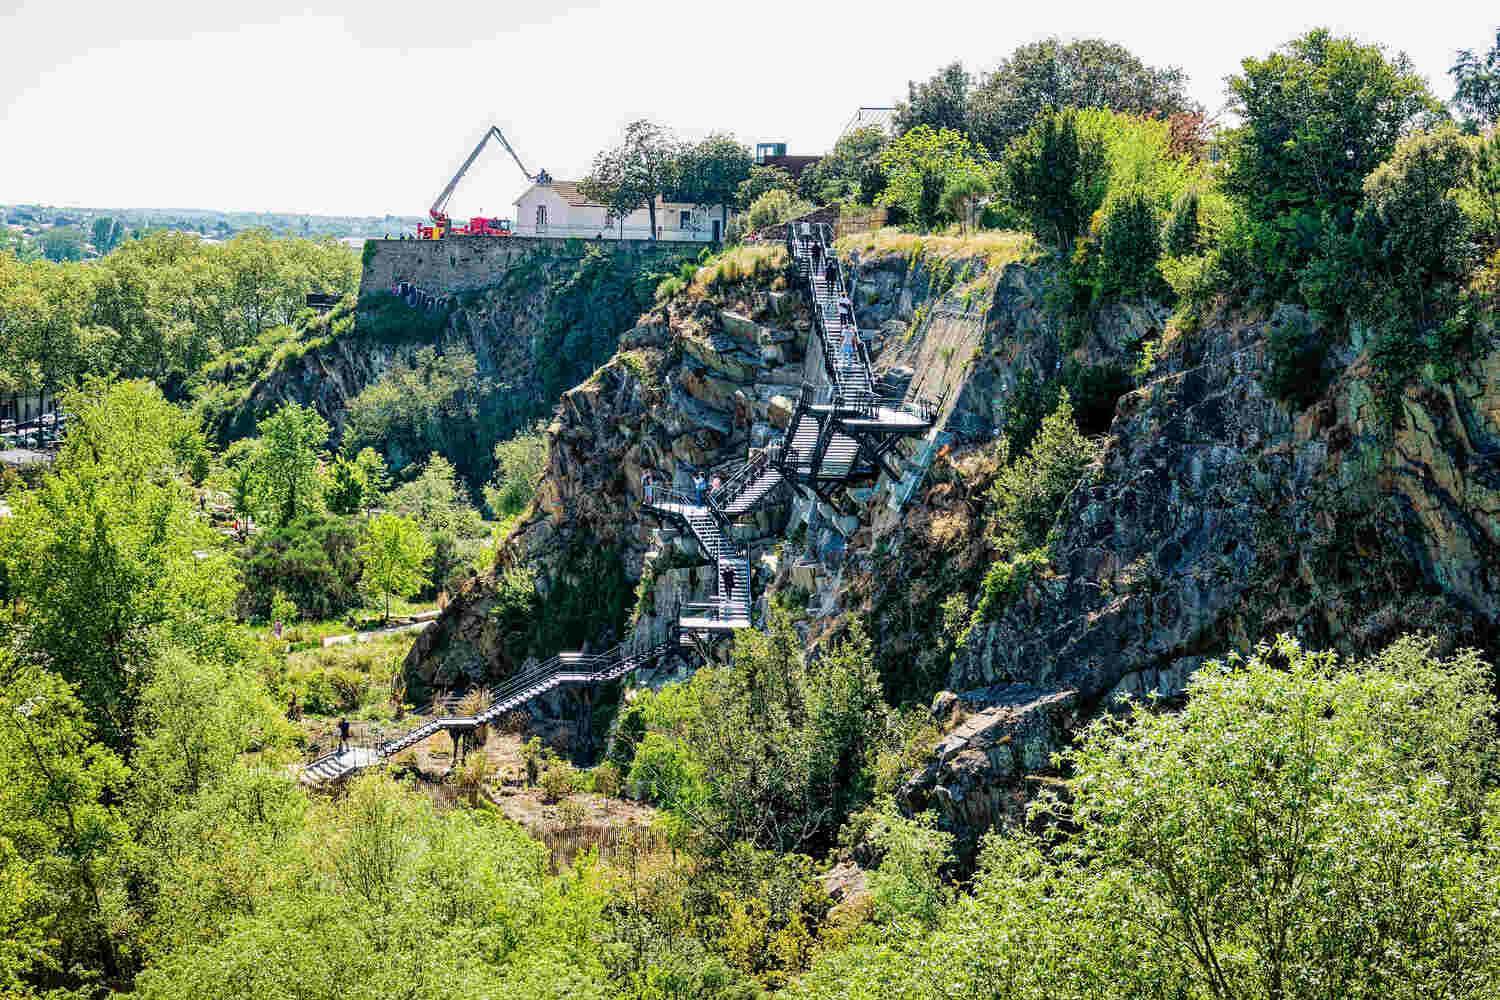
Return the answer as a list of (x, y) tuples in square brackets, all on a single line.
[(840, 431)]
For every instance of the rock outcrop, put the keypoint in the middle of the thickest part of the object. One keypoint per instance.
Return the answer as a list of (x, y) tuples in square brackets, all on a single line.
[(1216, 516)]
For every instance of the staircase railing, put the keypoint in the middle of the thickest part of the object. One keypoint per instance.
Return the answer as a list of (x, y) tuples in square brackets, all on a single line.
[(733, 487)]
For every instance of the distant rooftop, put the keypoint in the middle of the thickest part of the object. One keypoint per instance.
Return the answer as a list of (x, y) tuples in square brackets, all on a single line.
[(883, 118)]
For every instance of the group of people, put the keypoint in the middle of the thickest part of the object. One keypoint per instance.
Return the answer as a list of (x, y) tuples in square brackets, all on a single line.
[(701, 486)]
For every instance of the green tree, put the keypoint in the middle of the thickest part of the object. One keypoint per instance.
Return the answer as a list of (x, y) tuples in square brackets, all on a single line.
[(776, 205), (1029, 492), (1053, 75), (106, 561), (106, 233), (1415, 239), (1057, 177), (635, 173), (711, 172), (1130, 245), (850, 172), (395, 555), (1302, 828), (1476, 86), (918, 167), (62, 243), (519, 463), (762, 180), (941, 102), (65, 843), (291, 442), (346, 488), (961, 196), (1319, 115)]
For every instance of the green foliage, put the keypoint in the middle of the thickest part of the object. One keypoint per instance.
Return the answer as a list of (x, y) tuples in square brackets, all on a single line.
[(646, 165), (939, 103), (519, 464), (1415, 251), (776, 752), (1476, 86), (356, 484), (1182, 234), (1029, 492), (311, 560), (1299, 829), (761, 181), (776, 205), (1052, 74), (920, 165), (1056, 176), (64, 845), (1129, 245), (99, 560), (291, 445), (1319, 115), (159, 307), (850, 173), (397, 896), (907, 886), (711, 172), (419, 406), (1005, 580), (394, 557), (63, 243)]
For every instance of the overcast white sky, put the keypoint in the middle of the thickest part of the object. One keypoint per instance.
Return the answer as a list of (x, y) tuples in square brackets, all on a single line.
[(367, 106)]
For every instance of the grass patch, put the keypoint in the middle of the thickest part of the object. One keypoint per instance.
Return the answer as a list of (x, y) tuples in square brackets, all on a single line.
[(998, 247)]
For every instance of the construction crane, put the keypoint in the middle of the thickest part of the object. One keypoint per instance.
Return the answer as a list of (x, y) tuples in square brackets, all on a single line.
[(479, 225)]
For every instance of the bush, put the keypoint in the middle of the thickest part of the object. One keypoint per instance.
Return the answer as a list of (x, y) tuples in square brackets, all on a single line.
[(559, 780), (1029, 492), (776, 205), (1129, 245), (311, 560), (1296, 353)]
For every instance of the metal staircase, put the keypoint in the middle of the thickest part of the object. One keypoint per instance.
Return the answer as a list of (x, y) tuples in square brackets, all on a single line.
[(839, 432), (564, 669)]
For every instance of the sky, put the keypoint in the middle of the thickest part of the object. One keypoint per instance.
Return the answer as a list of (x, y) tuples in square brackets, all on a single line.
[(367, 107)]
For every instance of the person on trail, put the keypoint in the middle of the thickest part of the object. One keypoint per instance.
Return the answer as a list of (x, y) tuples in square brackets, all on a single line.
[(715, 485), (817, 256), (848, 343), (728, 578), (647, 486), (846, 309), (831, 272), (343, 735), (699, 485)]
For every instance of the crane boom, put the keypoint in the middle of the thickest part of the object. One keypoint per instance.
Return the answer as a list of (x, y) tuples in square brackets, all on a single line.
[(439, 210)]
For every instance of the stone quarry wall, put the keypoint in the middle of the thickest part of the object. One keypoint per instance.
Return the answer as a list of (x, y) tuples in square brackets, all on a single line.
[(468, 263)]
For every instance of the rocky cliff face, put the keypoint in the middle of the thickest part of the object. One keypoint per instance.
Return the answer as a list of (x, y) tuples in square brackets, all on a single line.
[(1216, 516), (537, 316), (692, 387)]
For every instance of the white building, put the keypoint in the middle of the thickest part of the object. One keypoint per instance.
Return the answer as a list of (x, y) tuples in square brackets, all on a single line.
[(558, 209)]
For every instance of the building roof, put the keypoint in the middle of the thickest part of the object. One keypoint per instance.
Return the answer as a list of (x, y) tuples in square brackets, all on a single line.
[(882, 118), (793, 165)]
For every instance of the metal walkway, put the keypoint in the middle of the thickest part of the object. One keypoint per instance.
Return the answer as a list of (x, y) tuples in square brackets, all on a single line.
[(839, 432)]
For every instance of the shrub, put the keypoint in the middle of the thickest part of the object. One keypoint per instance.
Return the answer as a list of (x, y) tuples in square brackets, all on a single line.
[(558, 780), (1004, 581), (1182, 234), (776, 205), (1029, 492), (1296, 353), (311, 560), (1129, 245)]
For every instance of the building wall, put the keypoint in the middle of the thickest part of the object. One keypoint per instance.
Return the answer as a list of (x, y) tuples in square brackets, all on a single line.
[(464, 263), (591, 221)]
